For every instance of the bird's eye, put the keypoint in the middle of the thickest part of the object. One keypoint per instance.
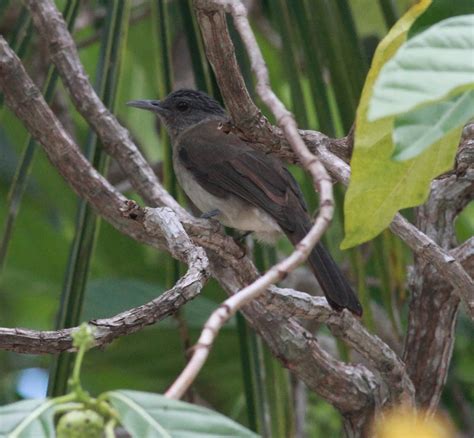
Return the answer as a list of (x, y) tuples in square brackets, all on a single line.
[(182, 106)]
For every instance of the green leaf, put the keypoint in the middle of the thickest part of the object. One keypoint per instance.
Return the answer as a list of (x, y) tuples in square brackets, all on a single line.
[(27, 418), (440, 10), (148, 415), (417, 130), (431, 66), (379, 186)]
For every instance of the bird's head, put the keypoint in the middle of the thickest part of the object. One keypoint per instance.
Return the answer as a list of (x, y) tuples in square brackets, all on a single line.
[(183, 109)]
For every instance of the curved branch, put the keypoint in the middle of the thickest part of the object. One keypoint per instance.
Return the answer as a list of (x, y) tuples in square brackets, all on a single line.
[(132, 320), (291, 303), (322, 183)]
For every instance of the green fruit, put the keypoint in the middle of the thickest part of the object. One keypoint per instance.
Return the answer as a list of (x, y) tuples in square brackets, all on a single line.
[(80, 424)]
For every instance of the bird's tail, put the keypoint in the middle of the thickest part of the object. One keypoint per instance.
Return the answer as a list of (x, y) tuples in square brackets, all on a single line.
[(336, 288)]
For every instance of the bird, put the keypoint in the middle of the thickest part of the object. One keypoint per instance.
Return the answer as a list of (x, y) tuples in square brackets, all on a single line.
[(242, 187)]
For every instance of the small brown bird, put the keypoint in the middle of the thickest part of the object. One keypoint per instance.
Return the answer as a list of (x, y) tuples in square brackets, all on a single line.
[(239, 185)]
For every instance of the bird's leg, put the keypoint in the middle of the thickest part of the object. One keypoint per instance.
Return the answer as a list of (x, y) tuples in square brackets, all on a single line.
[(211, 214), (239, 239)]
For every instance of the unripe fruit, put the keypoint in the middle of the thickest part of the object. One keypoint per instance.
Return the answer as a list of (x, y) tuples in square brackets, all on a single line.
[(80, 424)]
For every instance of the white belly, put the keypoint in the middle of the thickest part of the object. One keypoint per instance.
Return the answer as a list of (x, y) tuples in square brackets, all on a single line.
[(235, 213)]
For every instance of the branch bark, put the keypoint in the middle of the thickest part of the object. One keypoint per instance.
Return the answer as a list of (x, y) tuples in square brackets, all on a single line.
[(433, 308), (348, 328), (132, 320)]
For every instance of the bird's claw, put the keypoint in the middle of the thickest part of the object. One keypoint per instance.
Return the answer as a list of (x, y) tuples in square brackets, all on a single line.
[(211, 214)]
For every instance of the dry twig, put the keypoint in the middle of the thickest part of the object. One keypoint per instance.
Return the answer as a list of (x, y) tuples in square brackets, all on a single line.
[(322, 183)]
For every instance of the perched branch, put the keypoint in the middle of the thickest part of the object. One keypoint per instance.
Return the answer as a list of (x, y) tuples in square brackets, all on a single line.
[(322, 183)]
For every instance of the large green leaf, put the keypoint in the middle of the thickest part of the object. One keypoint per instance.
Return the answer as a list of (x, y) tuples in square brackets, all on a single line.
[(379, 187), (417, 130), (433, 65), (26, 419), (147, 415)]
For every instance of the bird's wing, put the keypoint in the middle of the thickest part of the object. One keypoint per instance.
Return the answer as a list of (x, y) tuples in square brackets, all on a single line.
[(223, 164)]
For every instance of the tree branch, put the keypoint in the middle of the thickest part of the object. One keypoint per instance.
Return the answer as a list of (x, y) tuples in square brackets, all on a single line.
[(132, 320), (294, 304), (26, 101), (322, 183), (353, 389), (433, 308)]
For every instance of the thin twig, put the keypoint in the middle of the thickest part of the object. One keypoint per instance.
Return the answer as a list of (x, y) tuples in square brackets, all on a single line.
[(322, 183)]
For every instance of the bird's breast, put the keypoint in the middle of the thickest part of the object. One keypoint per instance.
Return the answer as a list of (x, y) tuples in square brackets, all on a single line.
[(235, 212)]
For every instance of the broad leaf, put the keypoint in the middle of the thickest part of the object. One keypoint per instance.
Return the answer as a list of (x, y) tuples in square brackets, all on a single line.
[(379, 187), (147, 415), (417, 130), (433, 65), (26, 419), (440, 10)]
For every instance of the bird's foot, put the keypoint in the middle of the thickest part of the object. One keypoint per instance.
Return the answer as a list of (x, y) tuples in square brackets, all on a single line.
[(211, 214)]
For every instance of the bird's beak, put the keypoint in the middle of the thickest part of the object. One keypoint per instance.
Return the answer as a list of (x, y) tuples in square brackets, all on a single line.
[(150, 105)]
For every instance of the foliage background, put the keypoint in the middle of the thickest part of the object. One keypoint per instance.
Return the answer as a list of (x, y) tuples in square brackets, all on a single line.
[(124, 274)]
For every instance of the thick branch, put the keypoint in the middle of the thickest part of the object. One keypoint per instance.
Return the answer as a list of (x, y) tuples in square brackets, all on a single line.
[(291, 303), (433, 307), (353, 389)]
